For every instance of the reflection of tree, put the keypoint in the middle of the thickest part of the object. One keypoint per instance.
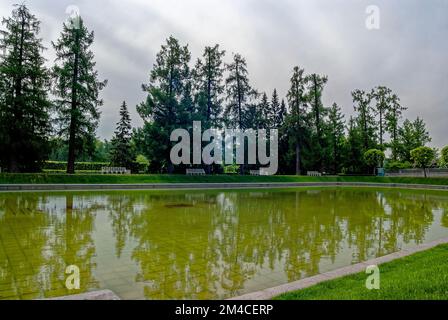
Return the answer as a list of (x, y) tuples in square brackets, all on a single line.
[(216, 242), (42, 238), (22, 237), (205, 244)]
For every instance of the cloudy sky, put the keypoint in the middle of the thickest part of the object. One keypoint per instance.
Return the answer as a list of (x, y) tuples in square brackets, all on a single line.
[(408, 53)]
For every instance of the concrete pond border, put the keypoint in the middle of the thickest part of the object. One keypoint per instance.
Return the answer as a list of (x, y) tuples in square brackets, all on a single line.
[(216, 186)]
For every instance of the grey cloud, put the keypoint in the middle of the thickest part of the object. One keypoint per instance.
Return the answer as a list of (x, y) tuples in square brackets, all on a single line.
[(407, 54)]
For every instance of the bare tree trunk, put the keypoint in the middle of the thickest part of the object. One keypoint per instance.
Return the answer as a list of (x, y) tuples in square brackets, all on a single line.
[(298, 173)]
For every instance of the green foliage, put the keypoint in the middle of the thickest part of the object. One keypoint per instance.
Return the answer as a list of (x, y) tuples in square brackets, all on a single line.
[(121, 152), (411, 136), (423, 157), (79, 166), (374, 158), (143, 163), (398, 165), (168, 105), (444, 157), (24, 103), (76, 89)]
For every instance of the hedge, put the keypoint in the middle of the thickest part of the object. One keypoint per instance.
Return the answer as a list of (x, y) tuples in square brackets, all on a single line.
[(61, 165)]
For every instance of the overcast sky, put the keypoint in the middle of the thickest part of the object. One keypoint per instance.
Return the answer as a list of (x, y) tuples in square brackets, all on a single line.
[(408, 53)]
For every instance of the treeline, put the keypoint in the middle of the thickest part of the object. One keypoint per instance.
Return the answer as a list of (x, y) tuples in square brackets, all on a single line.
[(53, 113)]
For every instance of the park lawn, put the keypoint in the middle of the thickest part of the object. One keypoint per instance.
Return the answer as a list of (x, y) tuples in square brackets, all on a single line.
[(45, 178), (422, 276)]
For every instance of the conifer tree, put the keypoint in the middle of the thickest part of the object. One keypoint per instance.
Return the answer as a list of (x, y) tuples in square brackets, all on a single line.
[(77, 88), (297, 119), (208, 82), (239, 91), (121, 151), (24, 103), (336, 127)]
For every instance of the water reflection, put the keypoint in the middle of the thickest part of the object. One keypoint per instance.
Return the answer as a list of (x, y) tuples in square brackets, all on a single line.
[(202, 245)]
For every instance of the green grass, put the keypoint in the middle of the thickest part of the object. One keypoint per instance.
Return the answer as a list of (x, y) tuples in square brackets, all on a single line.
[(42, 178), (422, 276)]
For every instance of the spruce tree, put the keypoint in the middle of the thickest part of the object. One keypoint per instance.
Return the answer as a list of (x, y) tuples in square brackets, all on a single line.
[(208, 84), (336, 128), (121, 151), (297, 119), (317, 115), (365, 118), (77, 88), (393, 117), (24, 103), (239, 91), (168, 102), (277, 112)]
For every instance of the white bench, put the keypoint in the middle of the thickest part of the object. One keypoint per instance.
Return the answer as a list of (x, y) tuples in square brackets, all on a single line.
[(255, 172), (195, 172), (115, 170), (314, 174)]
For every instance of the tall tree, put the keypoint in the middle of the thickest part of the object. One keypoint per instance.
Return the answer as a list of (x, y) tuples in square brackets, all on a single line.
[(365, 118), (77, 88), (336, 128), (412, 135), (122, 154), (208, 81), (318, 112), (297, 103), (393, 116), (167, 102), (382, 95), (239, 91), (24, 104), (277, 112)]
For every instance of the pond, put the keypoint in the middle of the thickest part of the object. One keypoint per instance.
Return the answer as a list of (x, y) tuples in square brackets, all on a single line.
[(203, 244)]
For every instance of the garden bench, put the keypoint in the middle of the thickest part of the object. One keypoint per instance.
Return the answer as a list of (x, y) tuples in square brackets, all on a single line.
[(195, 172), (255, 172), (314, 174), (115, 170)]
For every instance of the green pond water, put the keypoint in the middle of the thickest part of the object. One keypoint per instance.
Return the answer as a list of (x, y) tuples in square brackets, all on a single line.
[(202, 244)]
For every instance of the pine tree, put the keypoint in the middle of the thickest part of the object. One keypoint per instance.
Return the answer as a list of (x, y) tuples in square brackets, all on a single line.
[(365, 118), (208, 82), (297, 119), (77, 88), (265, 114), (382, 95), (317, 114), (239, 91), (393, 116), (336, 128), (24, 104), (277, 112), (168, 103), (121, 152)]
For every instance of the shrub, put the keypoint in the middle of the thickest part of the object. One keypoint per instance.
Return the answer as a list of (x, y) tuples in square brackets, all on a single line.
[(398, 165), (374, 158), (79, 166), (423, 157), (142, 163)]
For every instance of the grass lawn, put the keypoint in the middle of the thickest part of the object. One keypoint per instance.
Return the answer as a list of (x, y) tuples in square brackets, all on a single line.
[(43, 178), (422, 276)]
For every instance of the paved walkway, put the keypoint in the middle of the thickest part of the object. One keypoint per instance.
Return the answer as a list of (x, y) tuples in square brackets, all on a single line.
[(270, 293)]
